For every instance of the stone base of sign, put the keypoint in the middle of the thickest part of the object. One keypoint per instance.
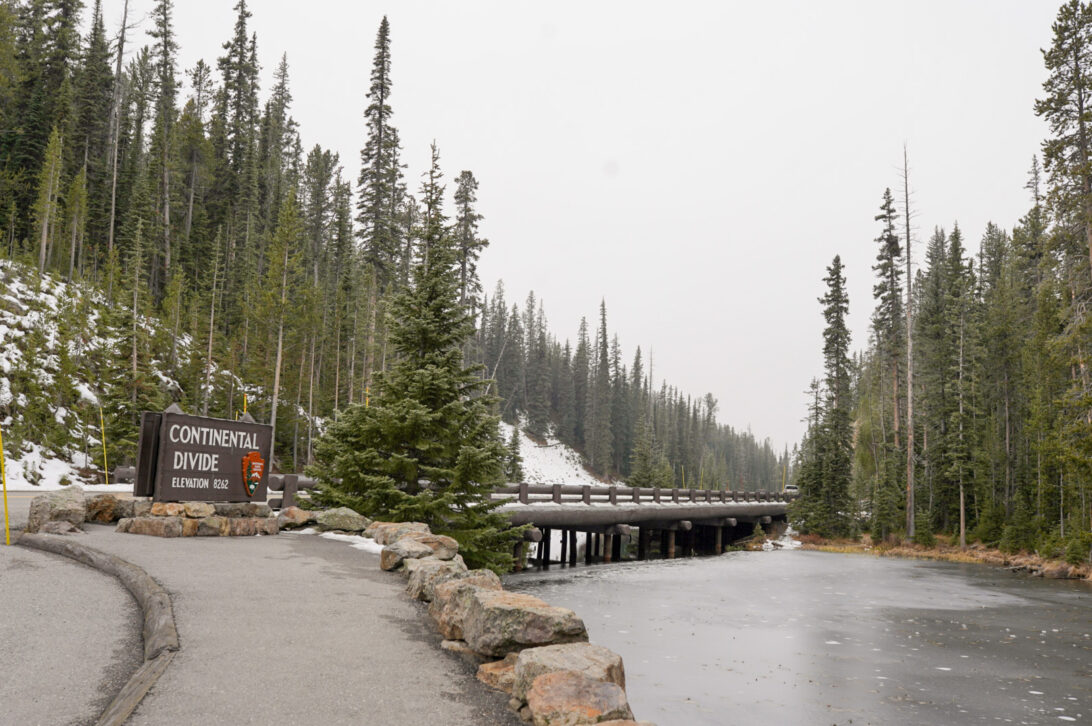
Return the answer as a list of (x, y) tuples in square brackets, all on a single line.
[(201, 519)]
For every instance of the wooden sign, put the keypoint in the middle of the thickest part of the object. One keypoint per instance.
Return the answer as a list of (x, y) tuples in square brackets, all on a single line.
[(208, 459)]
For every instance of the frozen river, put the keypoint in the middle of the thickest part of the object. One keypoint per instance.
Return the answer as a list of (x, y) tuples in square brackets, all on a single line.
[(792, 637)]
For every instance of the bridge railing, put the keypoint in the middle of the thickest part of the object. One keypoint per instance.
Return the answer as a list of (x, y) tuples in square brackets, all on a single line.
[(587, 494)]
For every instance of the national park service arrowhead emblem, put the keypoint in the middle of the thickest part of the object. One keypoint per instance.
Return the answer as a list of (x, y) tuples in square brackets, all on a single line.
[(253, 468)]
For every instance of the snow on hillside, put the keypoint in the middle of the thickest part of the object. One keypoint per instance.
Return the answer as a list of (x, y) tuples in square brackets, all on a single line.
[(554, 463)]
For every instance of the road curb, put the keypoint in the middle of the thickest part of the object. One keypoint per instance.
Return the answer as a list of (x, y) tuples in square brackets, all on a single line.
[(160, 633)]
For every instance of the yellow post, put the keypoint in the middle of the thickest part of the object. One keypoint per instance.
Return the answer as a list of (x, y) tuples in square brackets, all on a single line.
[(102, 430), (367, 396), (244, 404), (4, 480)]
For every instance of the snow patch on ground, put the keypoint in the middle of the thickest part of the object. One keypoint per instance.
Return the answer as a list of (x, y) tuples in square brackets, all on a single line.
[(367, 544), (554, 463), (37, 471)]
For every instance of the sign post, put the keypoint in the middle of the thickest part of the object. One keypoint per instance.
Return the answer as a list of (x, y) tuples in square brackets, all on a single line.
[(193, 458)]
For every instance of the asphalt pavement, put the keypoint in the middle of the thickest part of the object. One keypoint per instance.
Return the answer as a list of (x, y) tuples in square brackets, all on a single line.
[(69, 635), (289, 629)]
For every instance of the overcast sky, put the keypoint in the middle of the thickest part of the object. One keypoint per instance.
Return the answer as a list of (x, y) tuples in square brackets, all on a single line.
[(696, 164)]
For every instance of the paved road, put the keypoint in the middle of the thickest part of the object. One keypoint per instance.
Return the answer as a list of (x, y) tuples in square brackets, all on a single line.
[(69, 636), (296, 629)]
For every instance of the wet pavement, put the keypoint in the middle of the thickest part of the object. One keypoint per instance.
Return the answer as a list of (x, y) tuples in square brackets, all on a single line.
[(820, 638)]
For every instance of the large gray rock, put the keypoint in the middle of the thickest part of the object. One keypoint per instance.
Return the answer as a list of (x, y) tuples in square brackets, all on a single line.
[(386, 533), (342, 518), (425, 574), (450, 602), (60, 527), (64, 505), (570, 698), (393, 555), (497, 623), (442, 546), (594, 661)]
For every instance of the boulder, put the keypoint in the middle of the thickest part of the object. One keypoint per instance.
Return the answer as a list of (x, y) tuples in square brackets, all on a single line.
[(124, 508), (569, 698), (392, 556), (242, 527), (63, 505), (449, 602), (167, 509), (102, 508), (497, 623), (291, 517), (268, 525), (464, 651), (256, 509), (190, 527), (213, 526), (425, 574), (141, 508), (229, 509), (156, 526), (123, 524), (341, 518), (443, 547), (594, 661), (390, 532), (60, 527), (500, 674), (198, 510)]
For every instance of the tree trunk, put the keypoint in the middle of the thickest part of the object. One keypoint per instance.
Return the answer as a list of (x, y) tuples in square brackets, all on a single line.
[(909, 352), (279, 358), (115, 128)]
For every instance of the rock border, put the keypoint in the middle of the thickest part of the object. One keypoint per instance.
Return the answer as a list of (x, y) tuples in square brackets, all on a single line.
[(159, 632), (536, 653)]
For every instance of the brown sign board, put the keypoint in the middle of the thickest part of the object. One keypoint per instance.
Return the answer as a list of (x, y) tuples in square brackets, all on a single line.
[(147, 454), (204, 459)]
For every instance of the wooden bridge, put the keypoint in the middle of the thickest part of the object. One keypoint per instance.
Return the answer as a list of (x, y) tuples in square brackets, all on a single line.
[(699, 521)]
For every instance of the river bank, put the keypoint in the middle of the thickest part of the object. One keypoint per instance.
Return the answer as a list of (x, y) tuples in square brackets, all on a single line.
[(944, 551)]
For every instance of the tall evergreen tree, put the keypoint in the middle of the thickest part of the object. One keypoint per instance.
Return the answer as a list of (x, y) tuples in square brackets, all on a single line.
[(427, 448)]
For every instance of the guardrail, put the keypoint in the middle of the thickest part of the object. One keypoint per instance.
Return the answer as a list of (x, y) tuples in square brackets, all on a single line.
[(290, 484), (587, 494)]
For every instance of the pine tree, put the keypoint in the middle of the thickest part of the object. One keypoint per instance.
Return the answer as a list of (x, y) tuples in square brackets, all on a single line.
[(513, 465), (379, 187), (427, 448), (470, 245)]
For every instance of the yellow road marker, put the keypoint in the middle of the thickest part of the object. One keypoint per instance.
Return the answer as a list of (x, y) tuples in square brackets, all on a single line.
[(4, 480), (102, 430)]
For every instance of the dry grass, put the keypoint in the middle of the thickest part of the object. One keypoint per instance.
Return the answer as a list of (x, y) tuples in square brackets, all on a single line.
[(944, 551)]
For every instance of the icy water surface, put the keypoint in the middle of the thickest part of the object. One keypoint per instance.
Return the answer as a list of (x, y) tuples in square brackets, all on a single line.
[(818, 638)]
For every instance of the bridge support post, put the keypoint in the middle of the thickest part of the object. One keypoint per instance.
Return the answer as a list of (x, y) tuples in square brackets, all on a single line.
[(572, 547), (642, 543), (718, 540), (564, 546), (546, 532), (517, 555), (670, 535), (589, 548), (616, 552), (608, 548)]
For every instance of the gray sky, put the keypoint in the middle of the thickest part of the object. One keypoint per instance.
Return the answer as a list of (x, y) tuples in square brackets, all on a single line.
[(697, 164)]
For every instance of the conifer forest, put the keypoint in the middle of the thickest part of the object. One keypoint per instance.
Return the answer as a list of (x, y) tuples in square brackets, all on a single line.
[(229, 266), (226, 265), (969, 410)]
